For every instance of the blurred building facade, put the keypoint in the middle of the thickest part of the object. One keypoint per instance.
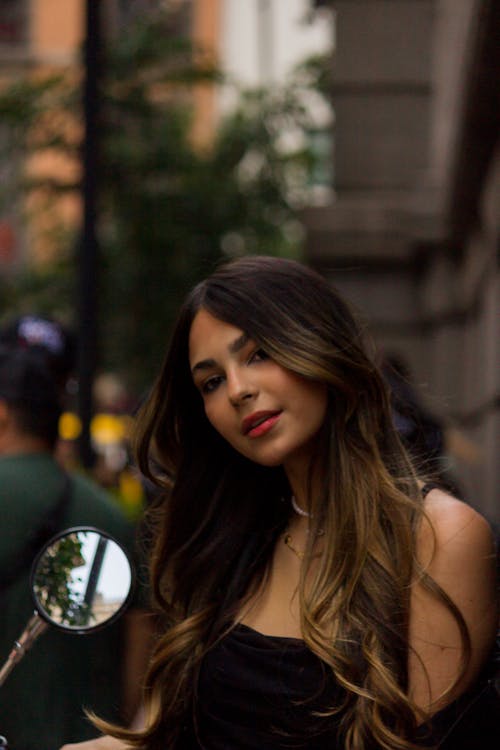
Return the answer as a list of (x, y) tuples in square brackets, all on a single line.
[(412, 236), (36, 36), (34, 32)]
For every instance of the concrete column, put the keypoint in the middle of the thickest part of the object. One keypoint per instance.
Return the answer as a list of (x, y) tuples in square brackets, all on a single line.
[(381, 92)]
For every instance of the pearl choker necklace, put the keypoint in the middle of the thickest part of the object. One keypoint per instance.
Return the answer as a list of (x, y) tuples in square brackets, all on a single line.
[(300, 511)]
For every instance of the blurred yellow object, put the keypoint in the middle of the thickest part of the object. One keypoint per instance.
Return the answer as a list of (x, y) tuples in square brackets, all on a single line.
[(131, 493), (107, 429), (70, 426)]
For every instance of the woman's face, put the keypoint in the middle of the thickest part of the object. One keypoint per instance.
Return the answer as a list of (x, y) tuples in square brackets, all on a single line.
[(266, 412)]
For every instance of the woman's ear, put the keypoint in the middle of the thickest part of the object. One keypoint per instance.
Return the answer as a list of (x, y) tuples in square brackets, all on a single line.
[(4, 409), (7, 427), (5, 416)]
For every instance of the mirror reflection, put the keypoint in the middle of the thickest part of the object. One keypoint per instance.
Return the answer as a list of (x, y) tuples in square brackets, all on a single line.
[(81, 580)]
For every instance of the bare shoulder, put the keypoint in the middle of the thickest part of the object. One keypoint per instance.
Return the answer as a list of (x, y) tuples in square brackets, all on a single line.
[(455, 547), (452, 529)]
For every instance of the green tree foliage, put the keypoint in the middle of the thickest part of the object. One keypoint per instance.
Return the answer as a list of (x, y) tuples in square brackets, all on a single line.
[(55, 579), (168, 211)]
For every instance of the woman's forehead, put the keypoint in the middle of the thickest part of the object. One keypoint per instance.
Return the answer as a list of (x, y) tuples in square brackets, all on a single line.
[(209, 335)]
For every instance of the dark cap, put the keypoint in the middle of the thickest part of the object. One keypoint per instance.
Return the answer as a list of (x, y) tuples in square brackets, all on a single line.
[(46, 336), (25, 379)]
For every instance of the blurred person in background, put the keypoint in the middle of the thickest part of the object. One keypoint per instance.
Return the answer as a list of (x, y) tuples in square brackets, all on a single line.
[(435, 444), (63, 674), (55, 343)]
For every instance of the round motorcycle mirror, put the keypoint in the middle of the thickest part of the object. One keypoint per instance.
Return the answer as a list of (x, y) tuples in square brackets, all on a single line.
[(81, 580)]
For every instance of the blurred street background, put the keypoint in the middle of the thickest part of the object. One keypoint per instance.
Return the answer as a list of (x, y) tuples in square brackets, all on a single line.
[(141, 142)]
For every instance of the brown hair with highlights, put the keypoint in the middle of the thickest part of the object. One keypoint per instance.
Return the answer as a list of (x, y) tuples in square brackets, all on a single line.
[(222, 514)]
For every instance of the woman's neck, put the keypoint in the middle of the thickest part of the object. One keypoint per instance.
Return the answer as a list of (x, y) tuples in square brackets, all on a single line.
[(303, 489)]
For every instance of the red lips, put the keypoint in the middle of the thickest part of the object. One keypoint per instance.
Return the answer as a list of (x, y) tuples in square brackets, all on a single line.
[(258, 418)]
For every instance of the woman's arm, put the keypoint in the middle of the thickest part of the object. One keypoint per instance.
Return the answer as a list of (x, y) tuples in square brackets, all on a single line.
[(460, 557)]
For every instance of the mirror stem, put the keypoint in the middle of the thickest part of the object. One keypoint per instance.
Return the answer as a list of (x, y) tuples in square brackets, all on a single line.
[(33, 629)]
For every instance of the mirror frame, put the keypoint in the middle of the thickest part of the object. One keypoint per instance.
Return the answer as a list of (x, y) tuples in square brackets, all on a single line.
[(119, 612)]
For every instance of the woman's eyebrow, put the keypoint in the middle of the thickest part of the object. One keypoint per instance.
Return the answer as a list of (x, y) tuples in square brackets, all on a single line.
[(204, 364), (239, 343), (233, 348)]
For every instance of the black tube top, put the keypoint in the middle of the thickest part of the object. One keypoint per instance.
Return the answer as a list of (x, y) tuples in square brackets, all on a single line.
[(259, 691)]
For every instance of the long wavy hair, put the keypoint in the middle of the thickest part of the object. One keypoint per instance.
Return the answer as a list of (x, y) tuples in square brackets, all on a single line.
[(221, 514)]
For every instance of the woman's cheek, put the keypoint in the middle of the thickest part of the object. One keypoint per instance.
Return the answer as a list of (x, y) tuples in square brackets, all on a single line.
[(212, 416)]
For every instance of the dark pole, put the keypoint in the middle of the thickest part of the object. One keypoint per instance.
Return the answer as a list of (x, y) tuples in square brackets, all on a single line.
[(95, 571), (88, 256)]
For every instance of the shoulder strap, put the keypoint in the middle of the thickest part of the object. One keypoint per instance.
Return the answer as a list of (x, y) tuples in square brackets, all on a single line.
[(49, 525)]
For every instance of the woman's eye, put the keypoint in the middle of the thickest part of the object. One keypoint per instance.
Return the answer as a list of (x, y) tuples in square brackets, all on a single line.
[(259, 355), (210, 385)]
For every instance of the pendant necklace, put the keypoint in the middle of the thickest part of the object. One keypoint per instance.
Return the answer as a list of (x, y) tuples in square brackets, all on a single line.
[(288, 541)]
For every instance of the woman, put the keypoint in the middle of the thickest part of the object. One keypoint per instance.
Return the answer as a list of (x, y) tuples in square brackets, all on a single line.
[(314, 593)]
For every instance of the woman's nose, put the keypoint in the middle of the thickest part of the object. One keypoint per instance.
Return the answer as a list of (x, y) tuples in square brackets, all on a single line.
[(240, 389)]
